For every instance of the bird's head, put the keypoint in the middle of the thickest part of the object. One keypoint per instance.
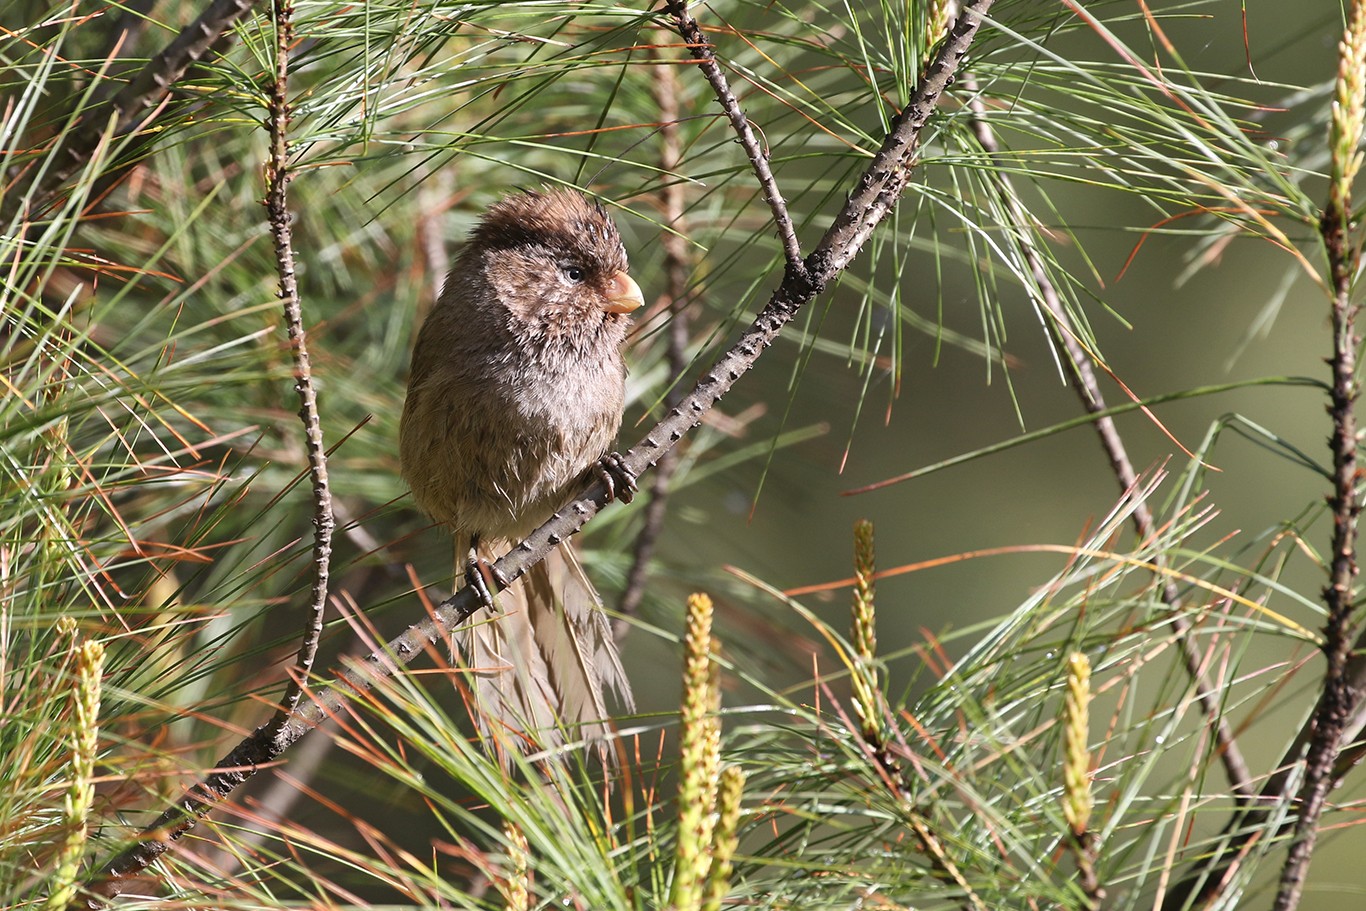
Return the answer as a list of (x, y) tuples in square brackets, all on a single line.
[(555, 261)]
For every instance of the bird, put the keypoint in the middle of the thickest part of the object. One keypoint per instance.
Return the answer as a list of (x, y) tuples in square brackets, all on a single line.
[(515, 396)]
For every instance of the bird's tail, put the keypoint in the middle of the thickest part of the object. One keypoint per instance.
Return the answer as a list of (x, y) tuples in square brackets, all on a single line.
[(542, 663)]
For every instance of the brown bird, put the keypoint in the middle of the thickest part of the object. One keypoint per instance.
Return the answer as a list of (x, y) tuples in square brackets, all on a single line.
[(516, 393)]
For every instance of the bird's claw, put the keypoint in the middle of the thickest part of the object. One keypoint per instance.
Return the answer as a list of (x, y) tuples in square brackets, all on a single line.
[(478, 573), (620, 480)]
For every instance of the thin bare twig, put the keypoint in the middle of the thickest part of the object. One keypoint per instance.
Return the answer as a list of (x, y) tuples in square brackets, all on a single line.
[(677, 269), (872, 199), (700, 48), (1339, 717), (279, 792), (1338, 701), (1083, 380), (277, 212), (132, 108)]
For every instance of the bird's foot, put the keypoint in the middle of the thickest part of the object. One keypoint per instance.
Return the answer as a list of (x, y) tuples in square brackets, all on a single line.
[(620, 480), (479, 572)]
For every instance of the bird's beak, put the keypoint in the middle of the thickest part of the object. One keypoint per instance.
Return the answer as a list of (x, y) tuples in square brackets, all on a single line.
[(623, 294)]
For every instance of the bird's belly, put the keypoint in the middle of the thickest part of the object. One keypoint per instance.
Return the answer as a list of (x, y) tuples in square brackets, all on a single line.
[(499, 466)]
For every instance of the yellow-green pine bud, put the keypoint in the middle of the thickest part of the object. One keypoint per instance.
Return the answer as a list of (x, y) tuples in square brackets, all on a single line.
[(698, 745), (1076, 769), (1349, 107), (80, 795), (864, 671), (938, 18), (516, 888), (729, 793)]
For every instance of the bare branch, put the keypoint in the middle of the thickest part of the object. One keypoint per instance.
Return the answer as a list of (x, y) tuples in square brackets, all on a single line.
[(677, 269), (875, 195), (1338, 719), (277, 212), (1338, 701), (698, 46), (132, 108), (1083, 380), (1209, 875)]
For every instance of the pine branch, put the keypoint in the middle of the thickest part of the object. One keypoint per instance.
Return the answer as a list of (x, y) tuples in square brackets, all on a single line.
[(701, 49), (133, 107), (1338, 700), (677, 268), (277, 211), (876, 192), (1340, 714), (1083, 381)]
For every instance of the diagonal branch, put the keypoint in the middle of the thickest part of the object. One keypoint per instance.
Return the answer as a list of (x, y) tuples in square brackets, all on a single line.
[(1212, 872), (1083, 380), (872, 199), (135, 104), (700, 48)]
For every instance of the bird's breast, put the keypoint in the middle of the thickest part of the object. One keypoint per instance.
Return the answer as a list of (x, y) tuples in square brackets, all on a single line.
[(498, 454)]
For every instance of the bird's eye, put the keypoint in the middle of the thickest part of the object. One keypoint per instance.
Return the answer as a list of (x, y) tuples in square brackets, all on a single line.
[(574, 273)]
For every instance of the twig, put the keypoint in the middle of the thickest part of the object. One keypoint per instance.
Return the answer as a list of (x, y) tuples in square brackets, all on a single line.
[(278, 794), (875, 715), (700, 48), (277, 211), (1083, 381), (1339, 717), (874, 196), (1209, 875), (677, 268), (1338, 700), (132, 107)]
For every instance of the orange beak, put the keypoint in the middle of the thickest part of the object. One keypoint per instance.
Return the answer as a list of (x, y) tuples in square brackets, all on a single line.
[(623, 294)]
